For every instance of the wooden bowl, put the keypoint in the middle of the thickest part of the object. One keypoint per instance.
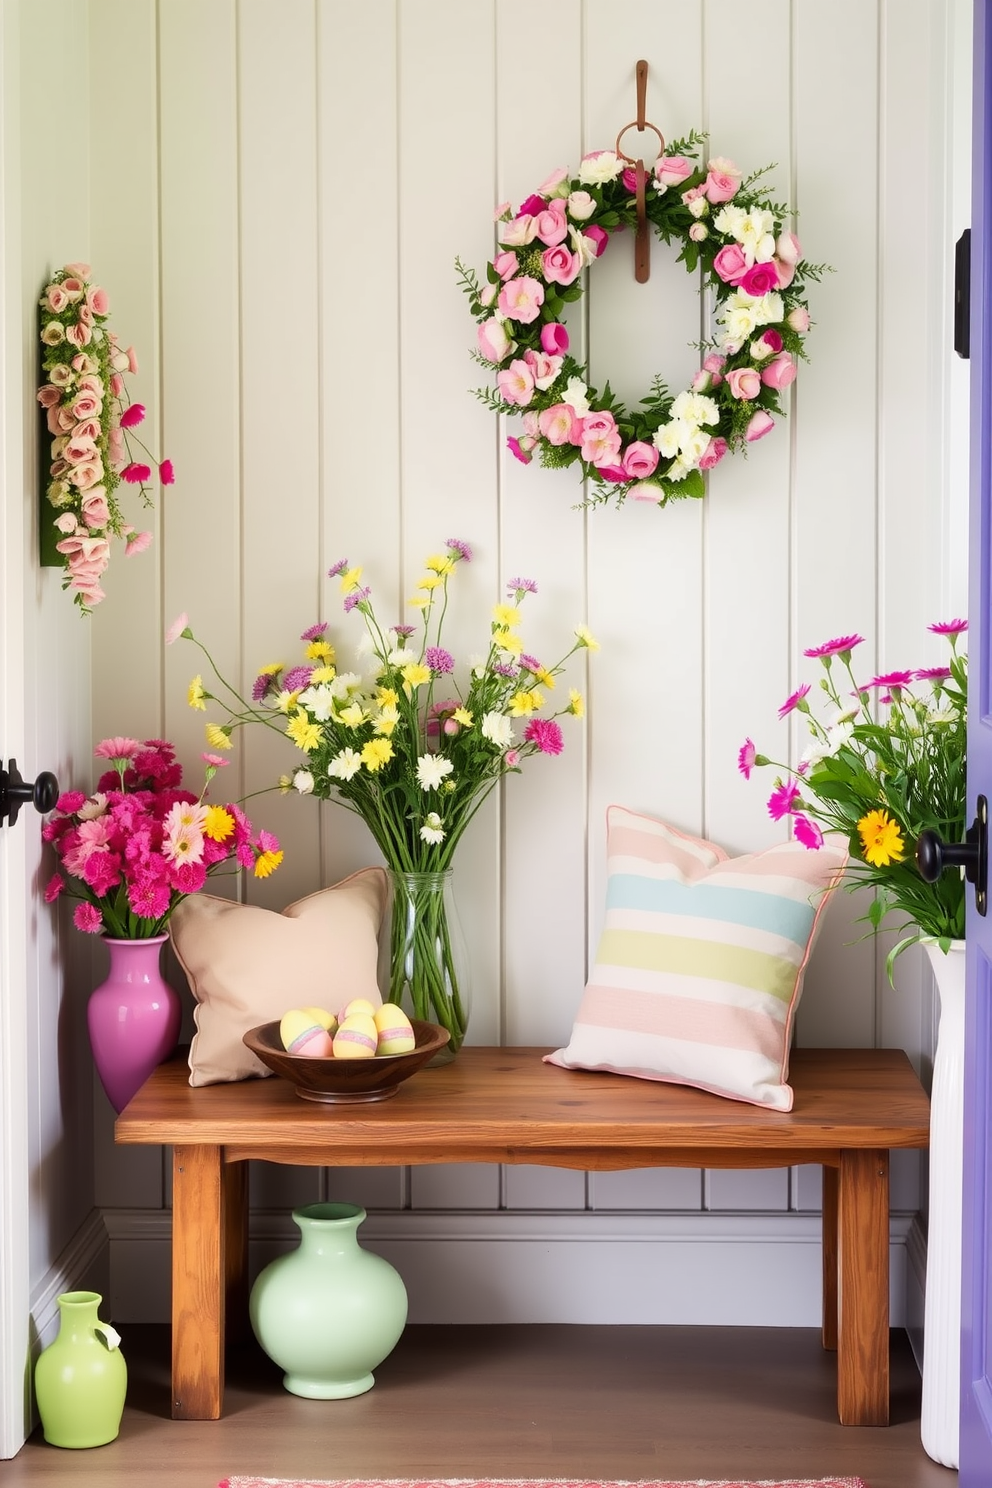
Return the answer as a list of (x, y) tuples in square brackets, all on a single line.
[(345, 1080)]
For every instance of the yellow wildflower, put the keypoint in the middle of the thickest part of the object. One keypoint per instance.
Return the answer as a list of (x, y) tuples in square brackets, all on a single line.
[(505, 640), (387, 698), (881, 839), (576, 703), (377, 752), (440, 563), (545, 678), (353, 716), (219, 824), (585, 638), (387, 720), (414, 674), (217, 737), (304, 734), (266, 863), (319, 651), (463, 716), (322, 674), (523, 703), (287, 700), (350, 579), (285, 784), (196, 694), (429, 581), (270, 668), (421, 601), (505, 615)]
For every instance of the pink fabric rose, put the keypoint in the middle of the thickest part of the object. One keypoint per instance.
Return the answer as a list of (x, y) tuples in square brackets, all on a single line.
[(719, 187), (505, 265), (86, 474), (57, 298), (532, 206), (744, 382), (521, 299), (787, 248), (516, 383), (96, 512), (555, 179), (704, 381), (558, 423), (78, 335), (48, 396), (86, 405), (699, 232), (640, 460), (779, 373), (600, 438), (798, 319), (90, 429), (760, 279), (599, 238), (768, 343), (98, 300), (714, 362), (672, 170), (730, 264), (560, 265), (786, 272), (519, 232), (78, 449), (74, 288), (494, 343), (761, 424), (544, 368), (554, 338), (550, 225), (713, 453)]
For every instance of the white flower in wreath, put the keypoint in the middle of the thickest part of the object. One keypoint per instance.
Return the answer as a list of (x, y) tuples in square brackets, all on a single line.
[(769, 310), (738, 316), (576, 395), (581, 205), (756, 235), (695, 408), (698, 207), (693, 445), (728, 221), (678, 470), (667, 439), (583, 246), (600, 167)]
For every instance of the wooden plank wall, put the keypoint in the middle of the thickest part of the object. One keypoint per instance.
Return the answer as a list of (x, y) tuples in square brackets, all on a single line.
[(291, 186)]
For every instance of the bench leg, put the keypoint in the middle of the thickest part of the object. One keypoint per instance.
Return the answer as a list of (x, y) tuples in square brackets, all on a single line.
[(237, 1326), (863, 1323), (198, 1283), (830, 1177)]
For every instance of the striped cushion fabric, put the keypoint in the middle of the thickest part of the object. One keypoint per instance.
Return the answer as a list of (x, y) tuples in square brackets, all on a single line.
[(701, 960)]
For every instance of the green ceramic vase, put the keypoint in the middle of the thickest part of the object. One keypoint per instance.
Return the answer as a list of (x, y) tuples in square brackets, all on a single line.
[(81, 1378), (329, 1312)]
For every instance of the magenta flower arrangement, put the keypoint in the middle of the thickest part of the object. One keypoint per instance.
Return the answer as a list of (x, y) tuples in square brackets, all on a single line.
[(886, 762), (92, 423), (410, 741), (132, 850), (752, 264)]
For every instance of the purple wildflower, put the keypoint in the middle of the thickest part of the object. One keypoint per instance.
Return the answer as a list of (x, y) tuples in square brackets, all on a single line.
[(463, 550), (297, 678), (262, 683), (439, 660), (521, 586), (531, 663), (356, 597), (891, 679), (315, 632), (949, 627), (338, 568), (794, 701), (746, 756), (404, 630), (932, 674), (504, 669)]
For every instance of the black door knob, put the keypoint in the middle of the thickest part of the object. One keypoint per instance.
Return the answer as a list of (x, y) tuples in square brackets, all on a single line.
[(933, 855), (15, 792)]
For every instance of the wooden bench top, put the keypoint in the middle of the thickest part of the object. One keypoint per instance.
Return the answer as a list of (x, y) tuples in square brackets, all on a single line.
[(507, 1105)]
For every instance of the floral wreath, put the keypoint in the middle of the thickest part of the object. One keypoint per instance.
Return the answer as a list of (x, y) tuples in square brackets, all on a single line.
[(91, 420), (749, 258)]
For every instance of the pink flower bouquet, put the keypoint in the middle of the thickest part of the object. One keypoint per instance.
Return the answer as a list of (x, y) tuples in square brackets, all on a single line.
[(137, 846)]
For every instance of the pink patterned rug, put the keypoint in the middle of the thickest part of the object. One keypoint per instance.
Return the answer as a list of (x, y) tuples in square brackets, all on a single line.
[(538, 1483)]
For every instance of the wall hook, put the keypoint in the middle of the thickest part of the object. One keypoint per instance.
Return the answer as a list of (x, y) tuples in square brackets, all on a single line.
[(642, 240)]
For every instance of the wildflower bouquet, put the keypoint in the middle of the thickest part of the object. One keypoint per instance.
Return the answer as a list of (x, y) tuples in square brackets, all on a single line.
[(408, 748), (888, 764), (141, 843), (92, 423)]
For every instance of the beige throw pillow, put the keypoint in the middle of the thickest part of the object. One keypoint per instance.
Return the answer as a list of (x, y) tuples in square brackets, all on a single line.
[(248, 966)]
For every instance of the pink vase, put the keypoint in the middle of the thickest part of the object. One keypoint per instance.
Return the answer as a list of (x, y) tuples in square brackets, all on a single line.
[(133, 1018)]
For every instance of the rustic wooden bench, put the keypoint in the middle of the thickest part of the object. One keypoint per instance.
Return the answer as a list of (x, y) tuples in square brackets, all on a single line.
[(506, 1106)]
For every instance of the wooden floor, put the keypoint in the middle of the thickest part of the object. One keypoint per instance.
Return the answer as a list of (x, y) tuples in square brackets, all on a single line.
[(535, 1401)]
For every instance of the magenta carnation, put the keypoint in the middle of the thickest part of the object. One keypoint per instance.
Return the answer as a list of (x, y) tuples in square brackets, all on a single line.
[(132, 416), (782, 799), (794, 700), (807, 832), (932, 674), (135, 474), (54, 887), (746, 756), (87, 917), (70, 801), (836, 647), (167, 473), (949, 627), (546, 734), (891, 679)]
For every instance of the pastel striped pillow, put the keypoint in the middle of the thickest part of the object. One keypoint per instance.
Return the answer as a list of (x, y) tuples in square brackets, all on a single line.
[(701, 960)]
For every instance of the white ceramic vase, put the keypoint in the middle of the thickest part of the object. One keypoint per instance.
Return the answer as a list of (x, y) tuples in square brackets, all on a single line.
[(939, 1418)]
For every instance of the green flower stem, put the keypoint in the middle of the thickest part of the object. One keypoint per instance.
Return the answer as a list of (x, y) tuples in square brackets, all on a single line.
[(423, 974)]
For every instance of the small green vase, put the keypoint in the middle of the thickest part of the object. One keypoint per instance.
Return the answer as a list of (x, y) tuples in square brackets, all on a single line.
[(80, 1379), (329, 1312)]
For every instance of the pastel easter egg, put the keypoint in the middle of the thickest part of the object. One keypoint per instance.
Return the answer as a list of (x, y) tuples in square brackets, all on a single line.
[(396, 1035), (355, 1038), (357, 1005), (300, 1033), (323, 1017)]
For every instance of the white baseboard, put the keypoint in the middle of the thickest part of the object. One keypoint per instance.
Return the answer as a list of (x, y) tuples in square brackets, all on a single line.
[(84, 1265), (508, 1267)]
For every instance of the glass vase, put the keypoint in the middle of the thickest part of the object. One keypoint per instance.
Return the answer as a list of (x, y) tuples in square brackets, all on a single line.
[(428, 966)]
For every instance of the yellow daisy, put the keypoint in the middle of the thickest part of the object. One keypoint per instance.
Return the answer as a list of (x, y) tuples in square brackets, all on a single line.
[(304, 734), (196, 694), (217, 737), (319, 651), (415, 674), (266, 863), (505, 615), (463, 716), (505, 640), (881, 839), (350, 579), (219, 824), (377, 752), (440, 564), (322, 674), (576, 703), (585, 638), (429, 581), (387, 698)]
